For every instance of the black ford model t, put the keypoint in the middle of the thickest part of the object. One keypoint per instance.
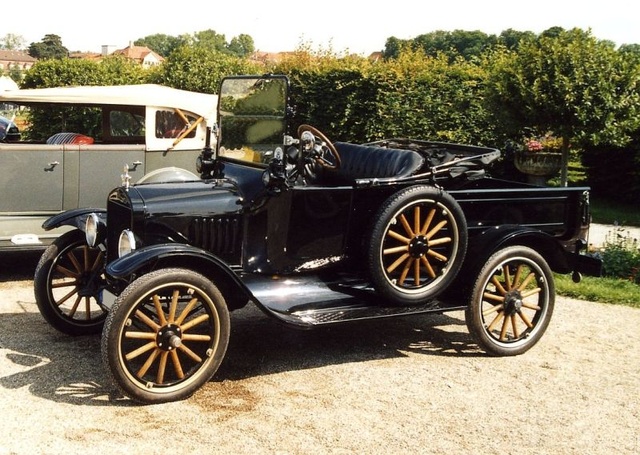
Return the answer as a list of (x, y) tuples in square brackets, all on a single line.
[(313, 233)]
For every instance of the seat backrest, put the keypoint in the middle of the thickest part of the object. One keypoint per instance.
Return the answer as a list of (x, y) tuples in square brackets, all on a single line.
[(70, 138), (364, 161)]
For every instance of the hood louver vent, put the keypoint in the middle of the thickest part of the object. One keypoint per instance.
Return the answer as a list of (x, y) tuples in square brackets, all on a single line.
[(219, 235)]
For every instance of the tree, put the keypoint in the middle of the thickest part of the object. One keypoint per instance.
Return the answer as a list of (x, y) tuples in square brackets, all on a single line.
[(552, 32), (49, 48), (209, 39), (15, 73), (12, 42), (568, 83), (511, 38), (113, 70), (631, 51), (241, 45), (120, 70), (163, 44), (429, 97), (199, 69), (393, 46), (468, 44)]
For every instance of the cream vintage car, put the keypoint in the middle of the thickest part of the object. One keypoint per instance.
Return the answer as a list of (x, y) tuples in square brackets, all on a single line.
[(76, 141)]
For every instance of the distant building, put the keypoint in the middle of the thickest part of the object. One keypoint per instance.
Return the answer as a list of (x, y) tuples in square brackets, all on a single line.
[(108, 49), (15, 60), (142, 54)]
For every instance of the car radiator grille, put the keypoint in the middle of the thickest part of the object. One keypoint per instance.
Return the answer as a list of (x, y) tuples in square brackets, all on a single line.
[(119, 218), (219, 235)]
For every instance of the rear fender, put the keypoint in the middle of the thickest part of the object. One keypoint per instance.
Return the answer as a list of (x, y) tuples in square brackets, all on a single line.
[(75, 218), (483, 245), (124, 270), (494, 239)]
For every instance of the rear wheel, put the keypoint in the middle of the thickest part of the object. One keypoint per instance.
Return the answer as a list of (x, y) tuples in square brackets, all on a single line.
[(418, 244), (166, 335), (512, 302), (68, 284)]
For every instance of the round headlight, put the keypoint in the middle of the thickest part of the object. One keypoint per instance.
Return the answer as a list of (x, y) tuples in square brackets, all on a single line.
[(126, 243), (266, 177), (91, 229)]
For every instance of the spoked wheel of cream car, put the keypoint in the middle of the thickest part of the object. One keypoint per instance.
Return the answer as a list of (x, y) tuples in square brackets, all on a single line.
[(68, 284), (512, 301), (166, 335), (417, 245)]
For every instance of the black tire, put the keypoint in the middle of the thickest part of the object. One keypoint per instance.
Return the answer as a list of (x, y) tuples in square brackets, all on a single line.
[(165, 336), (417, 244), (68, 284), (512, 302)]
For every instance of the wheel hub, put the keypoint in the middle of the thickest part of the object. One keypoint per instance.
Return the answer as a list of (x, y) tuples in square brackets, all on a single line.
[(88, 285), (169, 337), (419, 246), (512, 302)]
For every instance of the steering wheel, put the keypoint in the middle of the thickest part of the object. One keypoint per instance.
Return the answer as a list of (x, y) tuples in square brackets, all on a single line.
[(325, 144)]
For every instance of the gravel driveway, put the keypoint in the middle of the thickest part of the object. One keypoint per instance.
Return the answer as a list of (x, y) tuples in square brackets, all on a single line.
[(409, 385)]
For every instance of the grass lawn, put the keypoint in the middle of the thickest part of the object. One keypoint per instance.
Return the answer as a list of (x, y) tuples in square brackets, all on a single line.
[(603, 290), (611, 212)]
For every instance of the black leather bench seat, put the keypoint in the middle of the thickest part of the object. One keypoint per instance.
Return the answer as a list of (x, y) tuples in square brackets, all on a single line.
[(364, 161)]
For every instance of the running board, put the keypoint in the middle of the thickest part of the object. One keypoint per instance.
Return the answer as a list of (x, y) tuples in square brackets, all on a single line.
[(326, 316), (315, 300)]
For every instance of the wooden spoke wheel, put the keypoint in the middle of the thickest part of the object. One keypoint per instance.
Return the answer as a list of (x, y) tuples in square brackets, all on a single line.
[(417, 245), (166, 335), (68, 284), (512, 301)]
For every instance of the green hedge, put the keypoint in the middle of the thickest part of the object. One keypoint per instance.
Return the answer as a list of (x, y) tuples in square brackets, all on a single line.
[(614, 172), (351, 98), (413, 96)]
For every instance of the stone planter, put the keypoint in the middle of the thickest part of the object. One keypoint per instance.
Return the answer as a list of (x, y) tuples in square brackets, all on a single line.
[(539, 166)]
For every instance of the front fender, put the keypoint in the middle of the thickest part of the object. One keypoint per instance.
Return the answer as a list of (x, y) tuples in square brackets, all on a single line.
[(144, 260), (148, 256), (74, 217)]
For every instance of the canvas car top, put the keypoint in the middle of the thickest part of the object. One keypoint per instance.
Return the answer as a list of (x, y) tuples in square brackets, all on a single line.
[(127, 95)]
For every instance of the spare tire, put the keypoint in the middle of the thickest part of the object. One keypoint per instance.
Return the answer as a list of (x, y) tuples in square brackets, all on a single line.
[(417, 245)]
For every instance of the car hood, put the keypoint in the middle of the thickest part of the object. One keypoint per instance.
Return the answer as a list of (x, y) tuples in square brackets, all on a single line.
[(199, 198)]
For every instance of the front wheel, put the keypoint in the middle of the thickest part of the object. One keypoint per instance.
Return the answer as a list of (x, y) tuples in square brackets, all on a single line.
[(512, 302), (166, 335), (68, 285)]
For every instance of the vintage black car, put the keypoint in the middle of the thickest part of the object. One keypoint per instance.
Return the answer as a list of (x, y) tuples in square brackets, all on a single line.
[(313, 233)]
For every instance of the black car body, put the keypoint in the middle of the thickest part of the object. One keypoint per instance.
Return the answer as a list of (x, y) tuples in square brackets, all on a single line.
[(313, 233)]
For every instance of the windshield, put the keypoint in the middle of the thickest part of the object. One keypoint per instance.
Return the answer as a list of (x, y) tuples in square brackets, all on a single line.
[(252, 115)]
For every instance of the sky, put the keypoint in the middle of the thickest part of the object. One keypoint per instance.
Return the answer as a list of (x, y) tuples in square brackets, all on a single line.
[(340, 26)]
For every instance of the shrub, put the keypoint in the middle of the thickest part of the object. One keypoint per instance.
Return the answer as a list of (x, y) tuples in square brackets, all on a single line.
[(621, 256)]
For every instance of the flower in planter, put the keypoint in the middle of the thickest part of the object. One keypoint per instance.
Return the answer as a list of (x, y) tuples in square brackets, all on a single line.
[(539, 157), (547, 143), (533, 145)]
